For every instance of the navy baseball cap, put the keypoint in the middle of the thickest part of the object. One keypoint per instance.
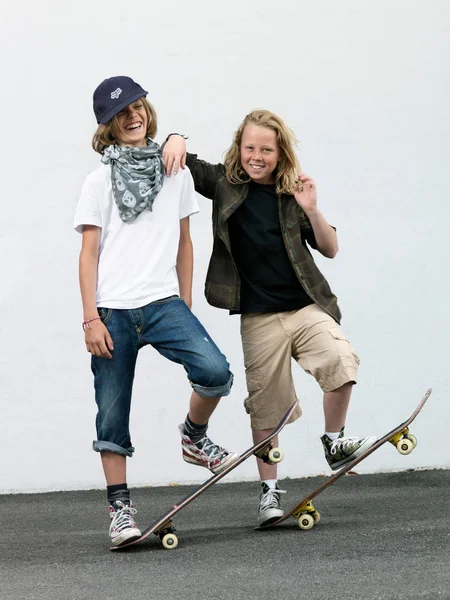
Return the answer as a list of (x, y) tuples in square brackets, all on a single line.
[(113, 94)]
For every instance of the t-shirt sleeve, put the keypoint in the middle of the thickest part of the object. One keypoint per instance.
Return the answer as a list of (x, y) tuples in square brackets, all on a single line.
[(88, 211), (188, 203), (308, 236), (307, 231)]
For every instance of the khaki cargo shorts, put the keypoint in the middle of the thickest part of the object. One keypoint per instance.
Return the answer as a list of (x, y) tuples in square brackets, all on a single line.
[(271, 340)]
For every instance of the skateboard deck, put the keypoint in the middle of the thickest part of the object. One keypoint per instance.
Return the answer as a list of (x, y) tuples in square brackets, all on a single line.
[(305, 513), (163, 526)]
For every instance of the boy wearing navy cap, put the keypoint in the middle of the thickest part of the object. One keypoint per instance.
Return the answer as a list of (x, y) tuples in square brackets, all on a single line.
[(135, 269)]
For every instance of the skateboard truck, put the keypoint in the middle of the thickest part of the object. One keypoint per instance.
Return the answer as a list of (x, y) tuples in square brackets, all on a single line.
[(307, 516), (305, 513), (164, 528), (167, 535), (404, 441), (270, 455)]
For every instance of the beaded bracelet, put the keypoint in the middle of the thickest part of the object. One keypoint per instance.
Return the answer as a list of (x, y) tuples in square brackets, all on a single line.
[(86, 323)]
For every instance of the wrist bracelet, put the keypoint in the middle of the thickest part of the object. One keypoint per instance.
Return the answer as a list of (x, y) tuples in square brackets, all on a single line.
[(185, 137), (85, 324)]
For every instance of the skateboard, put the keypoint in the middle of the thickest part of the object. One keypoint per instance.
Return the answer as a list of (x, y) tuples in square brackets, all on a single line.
[(164, 527), (304, 511)]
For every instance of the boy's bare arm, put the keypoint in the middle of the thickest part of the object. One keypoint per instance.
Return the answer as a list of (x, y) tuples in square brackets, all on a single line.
[(326, 238), (88, 270), (185, 262), (97, 337)]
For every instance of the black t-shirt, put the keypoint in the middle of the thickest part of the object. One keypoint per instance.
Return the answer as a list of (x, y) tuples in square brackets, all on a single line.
[(268, 280)]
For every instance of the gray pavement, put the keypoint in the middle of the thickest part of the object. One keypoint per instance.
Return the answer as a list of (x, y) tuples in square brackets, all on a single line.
[(384, 536)]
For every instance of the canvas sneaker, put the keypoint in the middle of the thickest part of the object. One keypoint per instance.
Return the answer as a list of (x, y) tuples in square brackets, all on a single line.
[(269, 508), (345, 449), (205, 453), (122, 527)]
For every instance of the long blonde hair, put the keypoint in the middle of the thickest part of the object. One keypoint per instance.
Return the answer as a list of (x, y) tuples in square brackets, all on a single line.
[(106, 135), (288, 167)]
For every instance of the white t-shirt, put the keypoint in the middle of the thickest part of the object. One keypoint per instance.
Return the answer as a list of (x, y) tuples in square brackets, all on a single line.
[(137, 262)]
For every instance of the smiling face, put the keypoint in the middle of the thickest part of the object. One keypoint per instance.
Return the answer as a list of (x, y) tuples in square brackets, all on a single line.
[(132, 123), (260, 153)]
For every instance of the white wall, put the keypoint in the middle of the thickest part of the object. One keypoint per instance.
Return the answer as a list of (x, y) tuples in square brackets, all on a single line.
[(365, 85)]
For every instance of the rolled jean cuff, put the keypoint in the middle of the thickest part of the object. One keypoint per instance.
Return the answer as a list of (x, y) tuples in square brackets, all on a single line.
[(213, 392), (100, 446)]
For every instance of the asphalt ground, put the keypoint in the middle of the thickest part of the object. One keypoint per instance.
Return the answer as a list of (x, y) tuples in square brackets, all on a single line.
[(383, 536)]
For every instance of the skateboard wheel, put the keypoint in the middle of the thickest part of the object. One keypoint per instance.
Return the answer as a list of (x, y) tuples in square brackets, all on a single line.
[(316, 516), (275, 455), (405, 446), (412, 438), (306, 521), (169, 541)]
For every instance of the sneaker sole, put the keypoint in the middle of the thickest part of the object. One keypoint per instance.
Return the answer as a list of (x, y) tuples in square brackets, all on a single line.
[(230, 460), (126, 536), (270, 516), (192, 460), (216, 470), (370, 441)]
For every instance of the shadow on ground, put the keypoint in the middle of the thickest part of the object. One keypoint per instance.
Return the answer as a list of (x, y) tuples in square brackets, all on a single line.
[(384, 536)]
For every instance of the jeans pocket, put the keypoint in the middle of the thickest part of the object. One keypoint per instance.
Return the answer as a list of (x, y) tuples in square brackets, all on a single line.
[(105, 314), (166, 300)]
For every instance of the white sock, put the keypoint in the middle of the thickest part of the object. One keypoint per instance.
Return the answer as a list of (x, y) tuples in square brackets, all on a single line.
[(332, 436), (272, 483)]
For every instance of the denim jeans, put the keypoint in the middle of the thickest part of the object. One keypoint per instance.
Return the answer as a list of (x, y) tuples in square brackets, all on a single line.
[(171, 328)]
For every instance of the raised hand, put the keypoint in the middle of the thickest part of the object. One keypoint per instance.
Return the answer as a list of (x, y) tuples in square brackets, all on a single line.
[(305, 193)]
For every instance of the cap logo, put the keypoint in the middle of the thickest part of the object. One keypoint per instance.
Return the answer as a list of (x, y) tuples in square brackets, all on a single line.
[(116, 93)]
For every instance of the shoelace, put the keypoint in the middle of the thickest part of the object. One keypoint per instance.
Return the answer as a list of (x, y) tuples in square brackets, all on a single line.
[(269, 499), (123, 517), (342, 444), (209, 448)]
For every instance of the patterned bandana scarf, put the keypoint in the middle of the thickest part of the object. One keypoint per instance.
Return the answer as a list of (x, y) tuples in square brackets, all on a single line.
[(137, 175)]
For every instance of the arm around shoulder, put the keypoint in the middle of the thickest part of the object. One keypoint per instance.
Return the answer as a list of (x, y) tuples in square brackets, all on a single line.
[(205, 175)]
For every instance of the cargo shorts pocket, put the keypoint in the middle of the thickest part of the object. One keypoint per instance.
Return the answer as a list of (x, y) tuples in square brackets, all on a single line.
[(347, 353), (255, 382)]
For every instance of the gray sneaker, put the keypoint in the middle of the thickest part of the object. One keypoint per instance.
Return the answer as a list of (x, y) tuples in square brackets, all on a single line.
[(269, 508), (345, 449)]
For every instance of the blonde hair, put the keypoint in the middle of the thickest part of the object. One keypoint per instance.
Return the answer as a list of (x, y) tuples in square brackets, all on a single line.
[(107, 134), (288, 167)]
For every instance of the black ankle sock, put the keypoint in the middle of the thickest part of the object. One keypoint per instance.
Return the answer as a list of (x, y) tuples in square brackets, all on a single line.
[(193, 430), (118, 491)]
